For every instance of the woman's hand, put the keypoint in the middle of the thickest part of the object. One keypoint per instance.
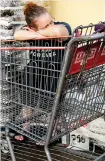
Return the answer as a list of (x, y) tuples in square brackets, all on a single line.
[(28, 29)]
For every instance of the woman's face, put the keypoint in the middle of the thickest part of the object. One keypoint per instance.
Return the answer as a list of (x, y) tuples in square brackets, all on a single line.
[(43, 21)]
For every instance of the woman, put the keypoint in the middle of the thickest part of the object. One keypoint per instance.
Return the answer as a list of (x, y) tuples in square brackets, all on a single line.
[(41, 24), (42, 72)]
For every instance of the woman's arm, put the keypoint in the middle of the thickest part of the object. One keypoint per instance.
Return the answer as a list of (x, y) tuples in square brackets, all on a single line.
[(26, 35), (55, 31), (52, 31)]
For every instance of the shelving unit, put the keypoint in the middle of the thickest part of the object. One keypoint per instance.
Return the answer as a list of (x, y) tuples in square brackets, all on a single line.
[(11, 18)]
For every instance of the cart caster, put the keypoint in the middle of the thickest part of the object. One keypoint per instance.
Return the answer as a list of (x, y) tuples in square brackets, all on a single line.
[(4, 146)]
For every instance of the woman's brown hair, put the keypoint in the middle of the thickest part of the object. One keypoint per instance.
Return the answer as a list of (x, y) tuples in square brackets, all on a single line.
[(32, 11)]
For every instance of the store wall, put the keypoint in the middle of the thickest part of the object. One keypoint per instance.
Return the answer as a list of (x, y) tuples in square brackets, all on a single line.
[(78, 12), (44, 3)]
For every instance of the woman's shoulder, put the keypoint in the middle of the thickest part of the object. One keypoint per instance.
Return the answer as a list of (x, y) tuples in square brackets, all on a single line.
[(67, 25)]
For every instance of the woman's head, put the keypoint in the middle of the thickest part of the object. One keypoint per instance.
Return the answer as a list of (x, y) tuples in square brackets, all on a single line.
[(37, 17)]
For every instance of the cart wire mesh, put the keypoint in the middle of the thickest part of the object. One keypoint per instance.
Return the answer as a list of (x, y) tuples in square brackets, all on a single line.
[(29, 90)]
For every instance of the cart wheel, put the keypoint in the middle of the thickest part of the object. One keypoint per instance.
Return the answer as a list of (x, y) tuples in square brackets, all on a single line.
[(4, 146)]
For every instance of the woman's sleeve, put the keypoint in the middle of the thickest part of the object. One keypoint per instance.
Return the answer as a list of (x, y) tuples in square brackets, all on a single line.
[(66, 25)]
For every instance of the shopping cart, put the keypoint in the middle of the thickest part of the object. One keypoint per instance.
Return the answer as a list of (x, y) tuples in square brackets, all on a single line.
[(49, 97)]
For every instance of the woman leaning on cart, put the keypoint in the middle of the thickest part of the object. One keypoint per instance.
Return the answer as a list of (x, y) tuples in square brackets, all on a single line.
[(40, 24)]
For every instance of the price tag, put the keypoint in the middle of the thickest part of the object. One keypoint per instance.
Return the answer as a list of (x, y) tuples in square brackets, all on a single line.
[(78, 141)]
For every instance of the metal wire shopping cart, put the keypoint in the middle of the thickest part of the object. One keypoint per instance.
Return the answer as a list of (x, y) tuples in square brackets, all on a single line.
[(58, 87)]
